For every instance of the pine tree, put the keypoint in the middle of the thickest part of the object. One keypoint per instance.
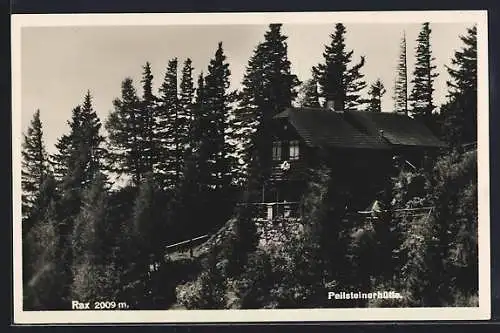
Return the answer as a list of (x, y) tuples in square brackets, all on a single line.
[(401, 83), (338, 82), (269, 87), (168, 122), (309, 96), (34, 164), (377, 90), (124, 135), (460, 113), (424, 73)]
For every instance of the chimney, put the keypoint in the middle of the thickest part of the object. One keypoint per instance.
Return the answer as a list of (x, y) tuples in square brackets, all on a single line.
[(334, 105)]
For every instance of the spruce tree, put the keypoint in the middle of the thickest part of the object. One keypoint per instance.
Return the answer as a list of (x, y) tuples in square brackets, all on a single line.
[(213, 146), (93, 265), (124, 135), (83, 144), (309, 96), (338, 82), (217, 105), (43, 274), (186, 106), (269, 87), (401, 84), (460, 113), (377, 90), (79, 160), (34, 164), (421, 100), (169, 144), (147, 119)]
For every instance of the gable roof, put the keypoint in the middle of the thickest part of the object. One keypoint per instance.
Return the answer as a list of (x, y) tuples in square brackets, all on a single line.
[(358, 129), (325, 128), (398, 129)]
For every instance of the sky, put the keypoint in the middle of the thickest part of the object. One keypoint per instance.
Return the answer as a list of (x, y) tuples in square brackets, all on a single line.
[(59, 64)]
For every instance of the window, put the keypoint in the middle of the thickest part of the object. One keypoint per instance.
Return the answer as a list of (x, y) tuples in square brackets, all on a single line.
[(294, 150), (277, 150)]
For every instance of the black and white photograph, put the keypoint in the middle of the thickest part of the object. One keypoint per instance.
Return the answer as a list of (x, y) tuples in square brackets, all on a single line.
[(297, 166)]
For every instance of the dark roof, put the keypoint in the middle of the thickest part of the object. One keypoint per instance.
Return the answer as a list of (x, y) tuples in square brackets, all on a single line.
[(398, 129), (325, 128), (358, 129)]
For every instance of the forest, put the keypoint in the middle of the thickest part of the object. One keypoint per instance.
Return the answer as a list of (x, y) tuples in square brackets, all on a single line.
[(188, 157)]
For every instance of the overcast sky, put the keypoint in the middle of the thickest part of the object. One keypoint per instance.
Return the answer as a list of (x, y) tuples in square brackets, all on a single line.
[(59, 64)]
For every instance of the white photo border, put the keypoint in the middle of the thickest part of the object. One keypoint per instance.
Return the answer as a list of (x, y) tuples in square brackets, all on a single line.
[(482, 312)]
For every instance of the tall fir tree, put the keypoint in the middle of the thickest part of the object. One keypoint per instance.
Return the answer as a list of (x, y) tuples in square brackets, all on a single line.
[(84, 144), (124, 135), (401, 83), (338, 82), (377, 90), (421, 100), (309, 95), (80, 160), (217, 105), (147, 119), (186, 105), (460, 113), (269, 87), (168, 122), (34, 164)]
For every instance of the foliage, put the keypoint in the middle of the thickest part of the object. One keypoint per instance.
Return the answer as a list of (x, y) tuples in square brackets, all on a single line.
[(401, 83), (377, 90), (460, 113), (308, 94), (34, 164), (337, 81), (422, 104)]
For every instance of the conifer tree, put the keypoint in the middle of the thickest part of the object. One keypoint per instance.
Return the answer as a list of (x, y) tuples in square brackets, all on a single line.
[(377, 90), (147, 119), (79, 160), (338, 82), (421, 100), (460, 113), (39, 249), (217, 104), (186, 105), (148, 229), (269, 87), (169, 143), (34, 164), (83, 144), (309, 94), (123, 126), (401, 84), (93, 265), (43, 274)]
